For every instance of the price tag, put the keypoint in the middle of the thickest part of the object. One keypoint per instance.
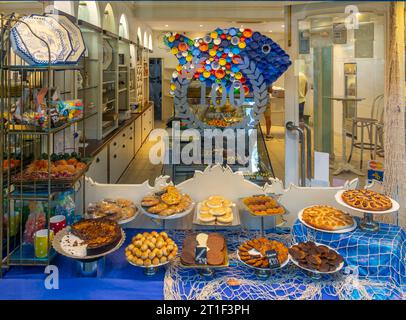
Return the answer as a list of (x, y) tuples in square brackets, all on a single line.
[(54, 116), (272, 256), (201, 255)]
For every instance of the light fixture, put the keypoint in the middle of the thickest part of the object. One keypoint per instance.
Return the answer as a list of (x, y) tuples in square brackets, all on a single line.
[(166, 25), (283, 26), (270, 31), (201, 26)]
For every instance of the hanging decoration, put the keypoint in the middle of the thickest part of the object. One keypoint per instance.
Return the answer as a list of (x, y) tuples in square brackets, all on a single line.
[(221, 52)]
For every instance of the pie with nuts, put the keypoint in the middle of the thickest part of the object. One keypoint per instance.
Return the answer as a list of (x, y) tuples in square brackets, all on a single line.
[(366, 200), (327, 218)]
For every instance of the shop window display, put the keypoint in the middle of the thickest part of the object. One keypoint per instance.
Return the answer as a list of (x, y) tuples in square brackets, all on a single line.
[(201, 204)]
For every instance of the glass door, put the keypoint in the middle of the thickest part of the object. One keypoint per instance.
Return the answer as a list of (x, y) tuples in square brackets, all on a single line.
[(339, 54)]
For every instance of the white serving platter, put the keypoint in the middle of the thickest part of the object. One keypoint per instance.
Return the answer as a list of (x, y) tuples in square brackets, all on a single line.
[(339, 267), (236, 218), (78, 44), (345, 230), (56, 244), (171, 217), (32, 49), (263, 269), (338, 197)]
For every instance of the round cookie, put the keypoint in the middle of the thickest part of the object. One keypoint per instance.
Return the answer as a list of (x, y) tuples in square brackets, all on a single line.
[(215, 258)]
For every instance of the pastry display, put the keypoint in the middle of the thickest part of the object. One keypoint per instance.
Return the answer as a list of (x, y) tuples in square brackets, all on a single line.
[(366, 200), (263, 205), (89, 237), (218, 123), (215, 210), (167, 202), (150, 249), (117, 210), (327, 218), (61, 166), (214, 243), (253, 252), (321, 258)]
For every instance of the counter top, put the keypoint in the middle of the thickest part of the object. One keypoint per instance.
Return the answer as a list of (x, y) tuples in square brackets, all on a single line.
[(95, 146)]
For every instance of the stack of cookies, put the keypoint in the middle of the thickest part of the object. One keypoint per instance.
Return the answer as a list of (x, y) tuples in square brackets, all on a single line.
[(167, 202), (214, 242), (216, 210)]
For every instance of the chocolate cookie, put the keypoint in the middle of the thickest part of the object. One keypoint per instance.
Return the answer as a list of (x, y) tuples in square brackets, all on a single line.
[(188, 257)]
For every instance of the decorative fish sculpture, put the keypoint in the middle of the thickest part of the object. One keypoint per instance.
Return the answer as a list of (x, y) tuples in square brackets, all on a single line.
[(218, 57)]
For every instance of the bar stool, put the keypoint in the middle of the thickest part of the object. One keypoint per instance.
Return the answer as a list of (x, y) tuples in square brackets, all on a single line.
[(374, 122)]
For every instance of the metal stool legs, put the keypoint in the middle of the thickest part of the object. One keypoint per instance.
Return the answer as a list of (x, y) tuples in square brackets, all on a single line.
[(362, 145)]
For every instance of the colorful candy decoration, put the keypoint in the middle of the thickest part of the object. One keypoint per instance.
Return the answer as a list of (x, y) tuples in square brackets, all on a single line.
[(221, 52)]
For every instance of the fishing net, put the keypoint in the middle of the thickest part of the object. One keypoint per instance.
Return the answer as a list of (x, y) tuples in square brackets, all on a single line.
[(239, 282)]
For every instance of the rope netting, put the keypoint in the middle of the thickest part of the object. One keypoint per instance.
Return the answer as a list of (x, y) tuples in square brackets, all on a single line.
[(239, 282)]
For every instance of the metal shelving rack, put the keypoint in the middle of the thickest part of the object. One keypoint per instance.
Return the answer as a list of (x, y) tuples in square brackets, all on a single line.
[(30, 145)]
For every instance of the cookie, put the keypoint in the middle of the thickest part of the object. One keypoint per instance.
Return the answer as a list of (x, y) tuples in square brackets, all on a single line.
[(158, 208), (215, 258), (149, 201)]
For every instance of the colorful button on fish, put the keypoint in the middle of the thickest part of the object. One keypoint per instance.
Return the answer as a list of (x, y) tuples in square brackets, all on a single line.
[(221, 53)]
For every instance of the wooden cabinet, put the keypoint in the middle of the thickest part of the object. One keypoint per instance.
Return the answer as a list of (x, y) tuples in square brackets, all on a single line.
[(111, 162), (147, 123), (98, 169), (137, 135)]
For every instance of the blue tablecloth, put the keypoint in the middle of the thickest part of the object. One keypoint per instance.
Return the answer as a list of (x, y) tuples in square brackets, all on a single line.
[(121, 280), (377, 256)]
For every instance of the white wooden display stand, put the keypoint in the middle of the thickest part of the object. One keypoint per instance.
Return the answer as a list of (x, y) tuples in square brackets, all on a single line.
[(218, 180)]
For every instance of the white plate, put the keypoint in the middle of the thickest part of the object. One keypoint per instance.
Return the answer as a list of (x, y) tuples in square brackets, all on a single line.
[(46, 28), (235, 222), (151, 266), (349, 229), (395, 205), (107, 54), (264, 269), (58, 238), (174, 216), (78, 45), (340, 266)]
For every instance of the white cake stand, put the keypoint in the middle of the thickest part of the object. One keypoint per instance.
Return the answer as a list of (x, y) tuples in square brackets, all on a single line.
[(367, 223)]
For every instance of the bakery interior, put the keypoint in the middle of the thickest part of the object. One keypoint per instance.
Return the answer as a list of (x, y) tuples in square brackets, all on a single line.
[(79, 127)]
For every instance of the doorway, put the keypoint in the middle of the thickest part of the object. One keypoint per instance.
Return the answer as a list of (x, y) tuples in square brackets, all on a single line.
[(343, 62), (155, 86)]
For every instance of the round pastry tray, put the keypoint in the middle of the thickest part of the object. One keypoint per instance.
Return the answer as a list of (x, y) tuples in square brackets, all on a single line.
[(120, 222), (338, 197), (349, 229), (56, 244), (263, 269), (340, 266), (174, 216), (151, 266)]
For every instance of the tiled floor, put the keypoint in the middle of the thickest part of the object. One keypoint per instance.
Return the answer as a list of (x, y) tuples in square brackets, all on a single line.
[(141, 169)]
